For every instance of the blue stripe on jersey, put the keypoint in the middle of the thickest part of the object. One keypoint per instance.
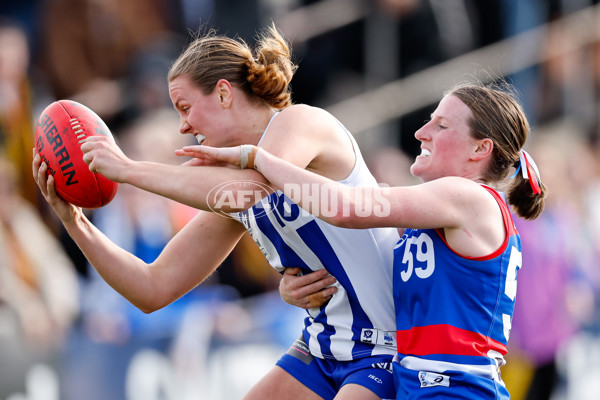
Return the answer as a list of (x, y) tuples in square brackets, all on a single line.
[(288, 257), (314, 238)]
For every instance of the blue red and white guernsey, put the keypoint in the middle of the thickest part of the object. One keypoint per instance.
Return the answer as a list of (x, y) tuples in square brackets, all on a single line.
[(358, 321), (453, 314)]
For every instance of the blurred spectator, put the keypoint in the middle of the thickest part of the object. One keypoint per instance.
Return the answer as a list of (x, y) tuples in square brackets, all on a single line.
[(568, 86), (145, 84), (88, 47), (38, 288), (18, 96), (25, 12)]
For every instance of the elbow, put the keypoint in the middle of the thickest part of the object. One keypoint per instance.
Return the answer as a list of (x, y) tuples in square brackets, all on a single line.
[(147, 310), (148, 307)]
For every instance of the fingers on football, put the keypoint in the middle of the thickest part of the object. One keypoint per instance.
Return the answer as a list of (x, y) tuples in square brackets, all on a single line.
[(35, 165), (42, 179)]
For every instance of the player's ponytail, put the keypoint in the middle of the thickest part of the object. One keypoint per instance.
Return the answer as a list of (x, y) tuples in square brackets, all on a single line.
[(526, 192), (270, 73)]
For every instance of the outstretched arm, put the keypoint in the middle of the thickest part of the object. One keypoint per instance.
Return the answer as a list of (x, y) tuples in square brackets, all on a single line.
[(185, 184), (449, 202), (333, 202), (187, 260)]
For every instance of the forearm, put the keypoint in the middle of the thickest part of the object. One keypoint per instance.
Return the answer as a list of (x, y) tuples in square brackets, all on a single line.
[(196, 186), (331, 201), (322, 197), (124, 272)]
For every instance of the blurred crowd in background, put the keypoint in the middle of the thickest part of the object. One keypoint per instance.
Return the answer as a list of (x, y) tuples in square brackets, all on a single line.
[(64, 334)]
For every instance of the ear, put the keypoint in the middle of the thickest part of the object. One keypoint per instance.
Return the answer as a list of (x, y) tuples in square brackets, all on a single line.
[(224, 93), (484, 149)]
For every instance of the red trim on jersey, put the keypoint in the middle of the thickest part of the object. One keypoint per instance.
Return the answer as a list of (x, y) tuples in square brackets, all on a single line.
[(445, 339), (509, 228)]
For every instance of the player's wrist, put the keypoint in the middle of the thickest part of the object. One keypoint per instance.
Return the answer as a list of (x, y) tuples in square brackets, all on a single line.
[(75, 221), (248, 154)]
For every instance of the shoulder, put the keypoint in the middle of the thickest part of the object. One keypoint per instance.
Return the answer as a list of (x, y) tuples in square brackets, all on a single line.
[(470, 192), (455, 185), (461, 197), (304, 123), (310, 136), (476, 228), (303, 115)]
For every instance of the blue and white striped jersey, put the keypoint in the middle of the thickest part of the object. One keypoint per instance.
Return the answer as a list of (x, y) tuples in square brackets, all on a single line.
[(358, 321)]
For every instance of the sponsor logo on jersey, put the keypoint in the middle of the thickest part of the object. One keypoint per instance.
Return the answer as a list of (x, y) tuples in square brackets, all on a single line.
[(431, 379), (378, 337), (367, 336)]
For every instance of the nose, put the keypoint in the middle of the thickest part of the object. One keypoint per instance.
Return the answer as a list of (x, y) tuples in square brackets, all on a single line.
[(184, 126), (420, 133)]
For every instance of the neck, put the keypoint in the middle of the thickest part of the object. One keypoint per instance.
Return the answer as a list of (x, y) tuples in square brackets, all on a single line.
[(253, 117), (256, 122)]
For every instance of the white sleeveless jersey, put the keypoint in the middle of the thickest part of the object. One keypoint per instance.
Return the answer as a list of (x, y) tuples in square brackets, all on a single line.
[(358, 321)]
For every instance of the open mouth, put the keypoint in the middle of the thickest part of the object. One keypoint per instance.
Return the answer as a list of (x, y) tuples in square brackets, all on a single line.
[(425, 153), (199, 138)]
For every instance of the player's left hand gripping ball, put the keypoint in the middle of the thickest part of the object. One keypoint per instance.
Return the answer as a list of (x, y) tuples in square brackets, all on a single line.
[(60, 130)]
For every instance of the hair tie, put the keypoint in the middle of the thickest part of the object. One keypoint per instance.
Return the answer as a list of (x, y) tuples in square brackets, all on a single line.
[(529, 170), (517, 170)]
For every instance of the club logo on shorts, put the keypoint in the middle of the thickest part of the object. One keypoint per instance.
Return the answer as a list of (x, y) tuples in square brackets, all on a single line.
[(383, 365)]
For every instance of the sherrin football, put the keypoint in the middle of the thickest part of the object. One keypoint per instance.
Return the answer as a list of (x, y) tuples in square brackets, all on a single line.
[(60, 130)]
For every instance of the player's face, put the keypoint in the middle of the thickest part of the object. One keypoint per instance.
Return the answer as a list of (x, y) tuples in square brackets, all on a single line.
[(446, 142), (199, 114)]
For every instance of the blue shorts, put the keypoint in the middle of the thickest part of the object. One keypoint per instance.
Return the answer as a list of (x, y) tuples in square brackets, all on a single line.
[(413, 384), (326, 377)]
